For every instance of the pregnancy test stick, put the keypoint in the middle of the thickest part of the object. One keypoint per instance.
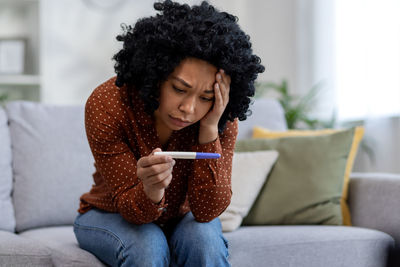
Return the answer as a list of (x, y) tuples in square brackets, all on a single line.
[(189, 155)]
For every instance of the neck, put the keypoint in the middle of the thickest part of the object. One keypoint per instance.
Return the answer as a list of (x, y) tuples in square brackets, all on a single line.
[(163, 131)]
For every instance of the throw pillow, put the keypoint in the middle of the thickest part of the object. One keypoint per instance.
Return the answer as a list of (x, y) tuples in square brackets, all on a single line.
[(52, 163), (249, 173), (259, 132), (7, 219), (305, 186)]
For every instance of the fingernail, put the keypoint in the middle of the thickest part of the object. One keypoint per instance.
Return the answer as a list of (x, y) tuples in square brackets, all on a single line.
[(222, 71), (173, 163), (217, 85), (219, 76)]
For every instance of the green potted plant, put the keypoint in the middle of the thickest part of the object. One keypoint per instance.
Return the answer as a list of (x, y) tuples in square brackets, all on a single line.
[(3, 98), (297, 108)]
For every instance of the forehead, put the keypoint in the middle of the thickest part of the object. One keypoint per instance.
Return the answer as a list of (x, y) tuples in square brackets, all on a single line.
[(196, 71)]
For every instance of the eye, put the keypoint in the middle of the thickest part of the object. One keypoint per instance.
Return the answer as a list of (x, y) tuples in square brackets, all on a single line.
[(176, 89), (207, 99)]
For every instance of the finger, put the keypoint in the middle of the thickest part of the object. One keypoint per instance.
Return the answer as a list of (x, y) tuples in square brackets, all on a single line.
[(164, 183), (224, 86), (155, 150), (222, 93), (155, 179), (218, 102), (153, 160), (156, 169), (225, 93), (225, 77), (159, 178)]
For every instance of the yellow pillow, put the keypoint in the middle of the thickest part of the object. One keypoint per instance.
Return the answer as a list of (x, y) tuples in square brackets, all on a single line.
[(259, 132)]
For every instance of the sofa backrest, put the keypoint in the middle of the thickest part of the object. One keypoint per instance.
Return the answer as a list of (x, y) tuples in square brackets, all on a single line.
[(265, 112), (7, 219), (53, 165)]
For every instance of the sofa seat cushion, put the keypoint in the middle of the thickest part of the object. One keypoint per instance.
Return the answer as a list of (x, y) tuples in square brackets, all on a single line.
[(19, 251), (308, 246), (65, 250), (274, 246)]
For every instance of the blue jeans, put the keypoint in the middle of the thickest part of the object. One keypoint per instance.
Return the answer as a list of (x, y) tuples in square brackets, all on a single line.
[(117, 242)]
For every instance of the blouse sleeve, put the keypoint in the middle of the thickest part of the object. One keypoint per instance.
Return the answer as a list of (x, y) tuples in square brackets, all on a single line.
[(116, 164), (210, 186)]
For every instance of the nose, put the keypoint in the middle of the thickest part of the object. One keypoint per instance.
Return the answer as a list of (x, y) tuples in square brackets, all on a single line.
[(187, 105)]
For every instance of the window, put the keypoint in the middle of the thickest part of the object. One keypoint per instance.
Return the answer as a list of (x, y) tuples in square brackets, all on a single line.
[(367, 41)]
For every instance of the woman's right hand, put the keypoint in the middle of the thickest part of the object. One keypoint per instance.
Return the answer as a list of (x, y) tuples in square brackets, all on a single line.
[(156, 174)]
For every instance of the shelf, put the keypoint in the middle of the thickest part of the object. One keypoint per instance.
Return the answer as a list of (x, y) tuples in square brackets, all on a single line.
[(21, 80), (8, 2)]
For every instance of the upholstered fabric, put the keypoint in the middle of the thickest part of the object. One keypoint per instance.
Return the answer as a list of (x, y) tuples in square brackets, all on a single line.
[(311, 246), (7, 219), (52, 163), (305, 186), (249, 173), (265, 112), (375, 203), (18, 251), (65, 250), (358, 135), (275, 246)]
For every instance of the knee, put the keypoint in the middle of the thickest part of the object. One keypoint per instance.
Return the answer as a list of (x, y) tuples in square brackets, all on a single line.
[(145, 256), (199, 236), (198, 244), (150, 250)]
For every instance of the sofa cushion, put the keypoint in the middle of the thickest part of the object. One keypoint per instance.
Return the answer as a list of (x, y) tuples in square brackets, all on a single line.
[(52, 163), (358, 135), (308, 246), (305, 186), (18, 251), (249, 173), (65, 250), (275, 246)]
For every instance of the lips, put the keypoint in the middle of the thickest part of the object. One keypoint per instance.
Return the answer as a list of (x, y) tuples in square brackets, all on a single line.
[(179, 122)]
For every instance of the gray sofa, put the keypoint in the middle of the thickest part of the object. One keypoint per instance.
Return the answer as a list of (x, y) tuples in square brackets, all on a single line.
[(46, 164)]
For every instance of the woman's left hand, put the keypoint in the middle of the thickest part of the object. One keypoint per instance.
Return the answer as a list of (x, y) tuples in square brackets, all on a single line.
[(209, 123), (221, 99)]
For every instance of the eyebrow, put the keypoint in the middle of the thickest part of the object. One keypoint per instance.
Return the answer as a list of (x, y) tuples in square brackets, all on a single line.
[(188, 85), (182, 81)]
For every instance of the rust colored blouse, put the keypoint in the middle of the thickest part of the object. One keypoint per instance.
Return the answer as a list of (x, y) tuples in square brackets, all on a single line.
[(120, 132)]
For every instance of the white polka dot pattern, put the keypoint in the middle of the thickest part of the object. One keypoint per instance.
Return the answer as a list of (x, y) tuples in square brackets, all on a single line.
[(119, 132)]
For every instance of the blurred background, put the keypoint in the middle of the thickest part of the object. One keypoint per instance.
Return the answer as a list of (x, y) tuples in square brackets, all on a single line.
[(339, 58)]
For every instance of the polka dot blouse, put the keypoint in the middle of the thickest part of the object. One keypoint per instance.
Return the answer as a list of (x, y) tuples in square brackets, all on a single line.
[(120, 132)]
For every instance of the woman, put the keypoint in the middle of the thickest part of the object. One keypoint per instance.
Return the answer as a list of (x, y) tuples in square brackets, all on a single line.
[(184, 77)]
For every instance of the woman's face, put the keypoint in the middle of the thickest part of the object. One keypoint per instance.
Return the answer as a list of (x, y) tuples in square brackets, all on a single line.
[(186, 96)]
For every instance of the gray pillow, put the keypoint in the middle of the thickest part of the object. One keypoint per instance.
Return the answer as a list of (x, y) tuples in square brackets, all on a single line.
[(52, 163), (7, 219)]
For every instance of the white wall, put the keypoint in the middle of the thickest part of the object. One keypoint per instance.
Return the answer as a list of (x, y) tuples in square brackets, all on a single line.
[(294, 39), (77, 42)]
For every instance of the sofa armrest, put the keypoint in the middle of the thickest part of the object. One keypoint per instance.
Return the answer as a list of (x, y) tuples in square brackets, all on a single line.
[(374, 201)]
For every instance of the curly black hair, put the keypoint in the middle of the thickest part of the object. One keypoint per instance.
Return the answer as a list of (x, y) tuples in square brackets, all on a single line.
[(156, 45)]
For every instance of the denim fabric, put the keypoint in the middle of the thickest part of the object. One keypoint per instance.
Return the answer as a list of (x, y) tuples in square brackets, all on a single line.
[(117, 242)]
